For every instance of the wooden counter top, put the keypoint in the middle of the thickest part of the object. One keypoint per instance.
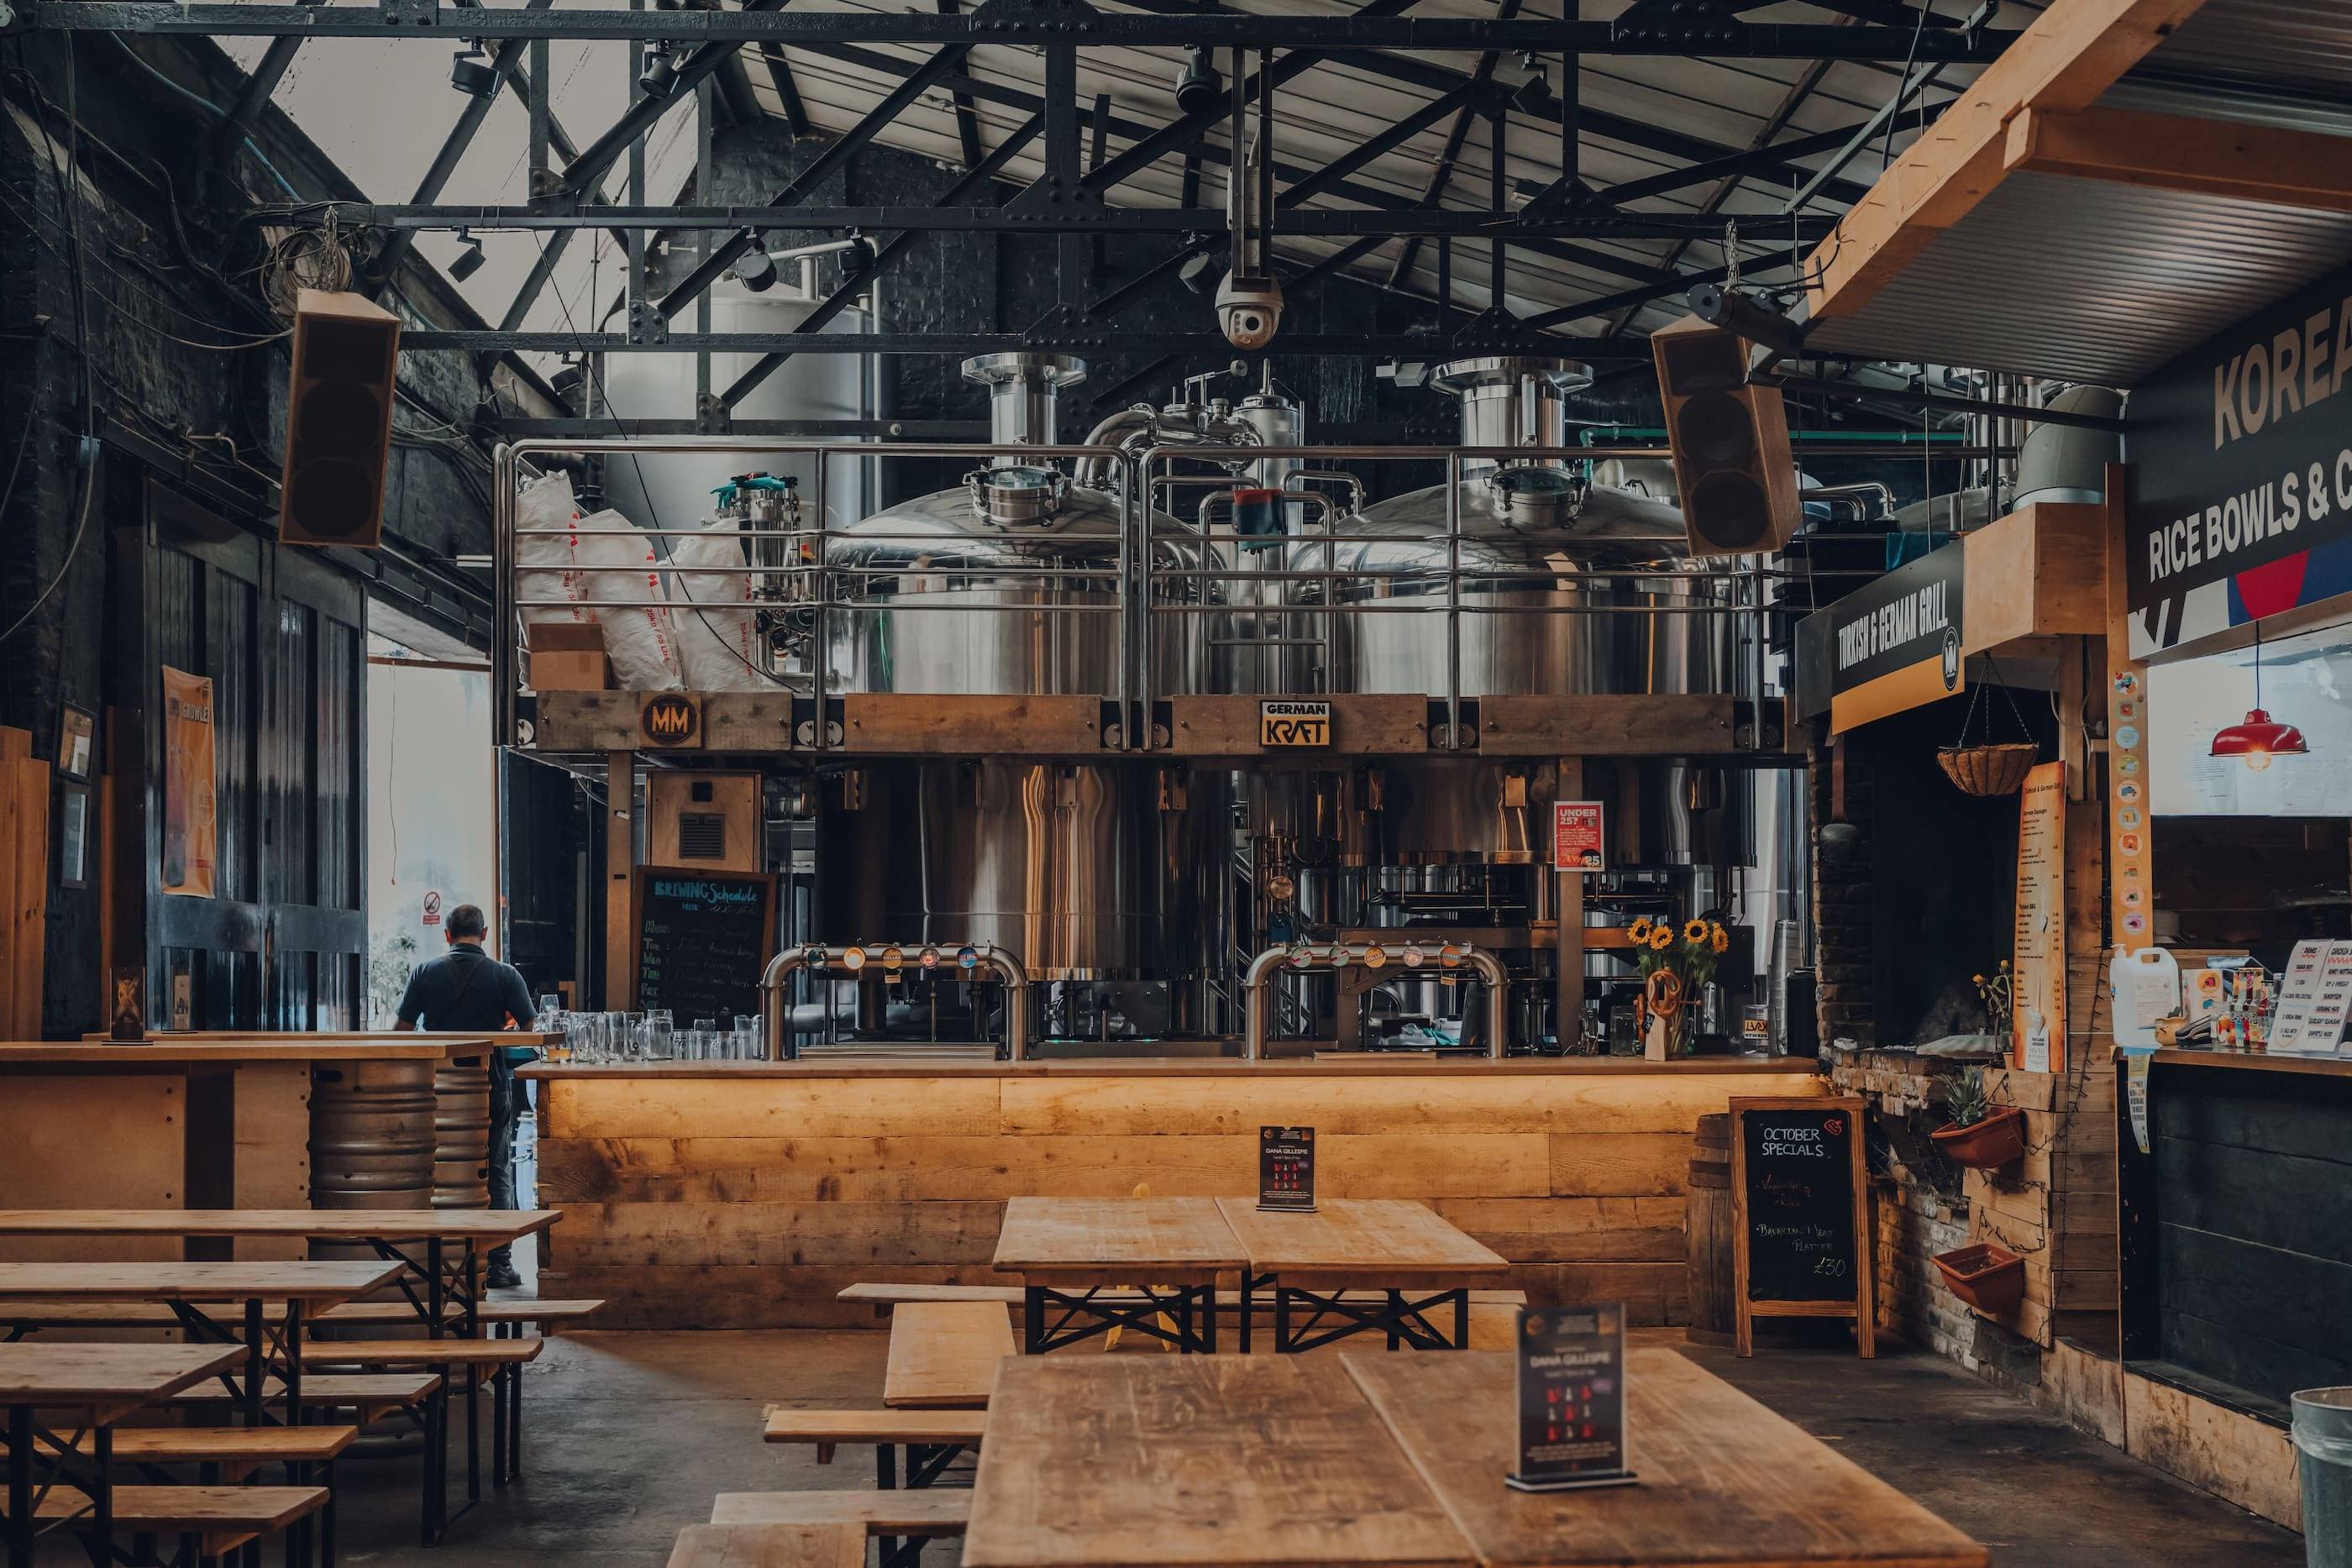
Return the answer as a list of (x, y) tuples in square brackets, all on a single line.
[(1371, 1066), (161, 1050), (2263, 1061)]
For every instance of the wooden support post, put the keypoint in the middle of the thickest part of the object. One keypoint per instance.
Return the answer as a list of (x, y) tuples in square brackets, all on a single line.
[(620, 867), (1568, 946)]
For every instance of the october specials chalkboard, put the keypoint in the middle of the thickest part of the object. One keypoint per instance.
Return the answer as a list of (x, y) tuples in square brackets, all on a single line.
[(703, 940), (1802, 1235)]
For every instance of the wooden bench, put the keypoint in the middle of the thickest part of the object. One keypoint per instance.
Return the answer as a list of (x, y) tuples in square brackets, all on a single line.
[(221, 1518), (900, 1521), (412, 1352), (932, 1438), (883, 1297), (239, 1452), (371, 1394), (770, 1546), (943, 1355), (396, 1314)]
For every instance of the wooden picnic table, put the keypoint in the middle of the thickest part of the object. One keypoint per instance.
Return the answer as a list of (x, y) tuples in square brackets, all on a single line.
[(1118, 1461), (1417, 1260), (1163, 1254), (193, 1290), (438, 1278), (1379, 1458), (96, 1385)]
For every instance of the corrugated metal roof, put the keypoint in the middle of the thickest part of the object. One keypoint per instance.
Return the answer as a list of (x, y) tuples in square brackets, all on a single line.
[(1714, 106), (2278, 43), (2089, 280)]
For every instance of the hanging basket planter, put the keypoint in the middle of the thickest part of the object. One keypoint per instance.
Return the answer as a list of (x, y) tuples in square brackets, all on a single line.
[(1990, 1278), (1998, 1139), (1990, 767), (1989, 770)]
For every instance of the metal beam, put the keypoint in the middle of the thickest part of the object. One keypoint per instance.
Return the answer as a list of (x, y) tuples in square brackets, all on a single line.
[(788, 93), (1441, 176), (1086, 338), (1388, 222), (1387, 141), (1024, 23), (885, 255), (967, 119), (838, 152), (582, 172)]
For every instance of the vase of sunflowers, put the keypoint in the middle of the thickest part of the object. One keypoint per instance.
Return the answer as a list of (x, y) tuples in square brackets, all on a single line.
[(1676, 963)]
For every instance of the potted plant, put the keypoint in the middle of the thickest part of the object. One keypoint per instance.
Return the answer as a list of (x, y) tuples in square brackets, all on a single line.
[(1990, 1277), (1676, 965), (1980, 1135)]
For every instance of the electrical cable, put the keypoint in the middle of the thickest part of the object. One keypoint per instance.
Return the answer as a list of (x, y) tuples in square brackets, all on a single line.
[(68, 176), (216, 110)]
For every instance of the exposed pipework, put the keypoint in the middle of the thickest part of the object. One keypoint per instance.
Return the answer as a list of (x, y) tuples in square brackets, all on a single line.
[(1256, 985), (1024, 393), (830, 960)]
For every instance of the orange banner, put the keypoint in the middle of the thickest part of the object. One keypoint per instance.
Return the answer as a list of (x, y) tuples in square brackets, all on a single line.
[(190, 810)]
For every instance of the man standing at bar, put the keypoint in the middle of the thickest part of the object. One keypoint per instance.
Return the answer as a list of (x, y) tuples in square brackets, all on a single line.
[(462, 991)]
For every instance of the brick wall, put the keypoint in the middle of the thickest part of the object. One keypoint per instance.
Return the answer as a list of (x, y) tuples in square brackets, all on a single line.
[(1921, 1208)]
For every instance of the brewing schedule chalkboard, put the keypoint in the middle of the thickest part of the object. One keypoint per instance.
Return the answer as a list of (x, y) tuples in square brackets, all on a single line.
[(704, 938), (1803, 1243)]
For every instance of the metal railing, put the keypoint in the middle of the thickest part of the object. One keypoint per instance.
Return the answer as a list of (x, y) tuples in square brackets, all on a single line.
[(1157, 580)]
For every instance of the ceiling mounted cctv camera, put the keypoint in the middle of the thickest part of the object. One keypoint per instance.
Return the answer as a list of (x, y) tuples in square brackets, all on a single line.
[(1249, 309)]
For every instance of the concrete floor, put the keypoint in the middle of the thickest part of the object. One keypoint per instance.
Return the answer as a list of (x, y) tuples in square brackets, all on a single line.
[(631, 1434)]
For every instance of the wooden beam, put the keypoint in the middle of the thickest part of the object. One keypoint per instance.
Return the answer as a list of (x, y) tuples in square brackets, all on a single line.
[(2185, 153), (620, 866), (2064, 61)]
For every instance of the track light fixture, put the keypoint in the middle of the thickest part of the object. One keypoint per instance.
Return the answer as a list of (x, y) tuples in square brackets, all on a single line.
[(755, 269), (1200, 88), (1530, 96), (468, 260), (659, 73), (858, 259), (1199, 273), (471, 71)]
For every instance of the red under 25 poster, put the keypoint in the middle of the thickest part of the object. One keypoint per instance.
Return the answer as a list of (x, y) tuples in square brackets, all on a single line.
[(1576, 836), (190, 822)]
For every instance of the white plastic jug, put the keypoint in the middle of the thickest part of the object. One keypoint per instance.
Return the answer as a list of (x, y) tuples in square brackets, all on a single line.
[(2146, 987)]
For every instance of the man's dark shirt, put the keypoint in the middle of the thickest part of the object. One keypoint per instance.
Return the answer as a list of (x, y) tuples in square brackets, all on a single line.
[(455, 992)]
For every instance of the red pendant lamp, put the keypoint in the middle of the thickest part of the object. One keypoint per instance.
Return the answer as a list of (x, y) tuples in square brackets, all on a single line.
[(2259, 738)]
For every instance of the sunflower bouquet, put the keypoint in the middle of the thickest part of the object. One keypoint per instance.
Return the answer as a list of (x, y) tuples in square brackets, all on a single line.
[(1677, 962)]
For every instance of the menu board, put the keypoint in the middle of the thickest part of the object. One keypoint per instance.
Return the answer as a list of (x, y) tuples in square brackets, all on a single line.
[(703, 940), (2038, 959), (1571, 1398), (1801, 1237), (2314, 999), (1285, 1168)]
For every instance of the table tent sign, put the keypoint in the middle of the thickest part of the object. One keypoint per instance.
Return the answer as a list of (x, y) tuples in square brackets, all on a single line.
[(1571, 1398), (1286, 1169)]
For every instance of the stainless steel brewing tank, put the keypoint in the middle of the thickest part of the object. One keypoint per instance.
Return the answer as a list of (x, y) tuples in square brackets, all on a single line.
[(1527, 626), (1086, 870)]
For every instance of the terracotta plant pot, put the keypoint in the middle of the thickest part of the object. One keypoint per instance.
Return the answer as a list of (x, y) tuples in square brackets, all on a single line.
[(1988, 1277), (1998, 1139)]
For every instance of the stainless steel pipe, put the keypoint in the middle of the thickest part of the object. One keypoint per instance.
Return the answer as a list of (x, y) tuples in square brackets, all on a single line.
[(828, 960), (1256, 988)]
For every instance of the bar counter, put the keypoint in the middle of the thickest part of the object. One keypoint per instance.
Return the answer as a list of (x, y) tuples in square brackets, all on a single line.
[(218, 1120), (743, 1195)]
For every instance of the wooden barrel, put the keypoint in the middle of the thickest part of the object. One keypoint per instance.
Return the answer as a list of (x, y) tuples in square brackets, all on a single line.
[(1707, 1230), (461, 1134)]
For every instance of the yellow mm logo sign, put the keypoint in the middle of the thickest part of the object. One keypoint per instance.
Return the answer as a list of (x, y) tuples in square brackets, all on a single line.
[(670, 720), (1292, 723)]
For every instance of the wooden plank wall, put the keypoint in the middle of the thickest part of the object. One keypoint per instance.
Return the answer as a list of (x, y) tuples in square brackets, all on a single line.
[(24, 883), (750, 1201)]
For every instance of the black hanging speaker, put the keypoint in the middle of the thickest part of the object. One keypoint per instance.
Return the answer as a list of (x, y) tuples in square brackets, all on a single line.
[(337, 421), (1732, 463)]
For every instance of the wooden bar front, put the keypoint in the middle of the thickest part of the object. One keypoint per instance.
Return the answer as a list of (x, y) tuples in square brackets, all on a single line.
[(746, 1195)]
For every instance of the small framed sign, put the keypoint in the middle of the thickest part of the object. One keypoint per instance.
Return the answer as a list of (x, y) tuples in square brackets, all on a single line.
[(128, 1011), (1571, 1398), (1286, 1169), (1290, 721), (77, 742), (73, 835), (1576, 842)]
